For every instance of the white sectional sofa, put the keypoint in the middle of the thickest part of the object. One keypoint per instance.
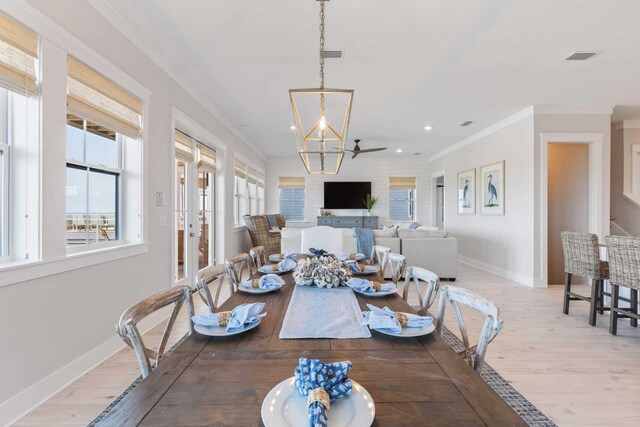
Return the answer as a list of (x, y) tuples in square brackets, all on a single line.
[(429, 249)]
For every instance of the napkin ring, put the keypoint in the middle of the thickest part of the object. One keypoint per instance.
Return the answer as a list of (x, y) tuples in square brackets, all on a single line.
[(255, 283), (361, 267), (319, 395), (280, 257), (402, 318), (376, 286), (223, 318), (352, 256), (275, 267)]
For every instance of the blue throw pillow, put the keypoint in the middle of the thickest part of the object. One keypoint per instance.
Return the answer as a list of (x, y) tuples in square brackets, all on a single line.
[(414, 225)]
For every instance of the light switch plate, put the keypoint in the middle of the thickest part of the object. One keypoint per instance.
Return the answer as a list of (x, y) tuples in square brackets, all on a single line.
[(159, 199)]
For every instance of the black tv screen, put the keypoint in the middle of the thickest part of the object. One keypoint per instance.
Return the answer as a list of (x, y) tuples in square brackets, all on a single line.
[(345, 195)]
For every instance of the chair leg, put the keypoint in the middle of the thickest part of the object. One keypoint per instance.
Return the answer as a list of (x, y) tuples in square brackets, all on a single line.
[(595, 286), (634, 307), (613, 318), (601, 297), (567, 289)]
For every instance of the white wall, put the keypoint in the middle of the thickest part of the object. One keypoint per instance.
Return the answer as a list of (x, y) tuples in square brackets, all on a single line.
[(364, 168), (626, 213), (49, 322)]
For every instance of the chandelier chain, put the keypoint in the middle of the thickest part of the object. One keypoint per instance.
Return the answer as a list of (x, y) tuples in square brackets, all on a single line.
[(321, 44)]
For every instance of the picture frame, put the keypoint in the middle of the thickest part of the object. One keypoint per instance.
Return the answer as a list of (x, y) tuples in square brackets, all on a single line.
[(491, 184), (467, 192)]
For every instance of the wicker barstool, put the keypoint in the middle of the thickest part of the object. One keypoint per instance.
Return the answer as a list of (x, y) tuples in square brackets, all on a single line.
[(624, 264), (582, 258)]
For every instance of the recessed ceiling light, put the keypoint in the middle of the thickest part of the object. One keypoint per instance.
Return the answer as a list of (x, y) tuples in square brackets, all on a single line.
[(428, 127), (398, 150), (292, 127)]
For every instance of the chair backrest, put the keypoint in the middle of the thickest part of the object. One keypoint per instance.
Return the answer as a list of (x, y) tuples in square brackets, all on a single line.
[(127, 328), (322, 237), (379, 258), (258, 256), (397, 264), (258, 228), (207, 276), (473, 355), (624, 261), (581, 254), (418, 274), (236, 264)]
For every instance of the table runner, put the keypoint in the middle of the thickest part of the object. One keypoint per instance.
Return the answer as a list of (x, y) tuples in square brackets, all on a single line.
[(323, 313)]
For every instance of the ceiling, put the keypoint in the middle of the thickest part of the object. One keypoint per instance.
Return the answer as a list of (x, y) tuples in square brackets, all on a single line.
[(410, 62)]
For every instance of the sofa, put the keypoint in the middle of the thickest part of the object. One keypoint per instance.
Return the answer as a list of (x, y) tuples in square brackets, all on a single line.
[(430, 249)]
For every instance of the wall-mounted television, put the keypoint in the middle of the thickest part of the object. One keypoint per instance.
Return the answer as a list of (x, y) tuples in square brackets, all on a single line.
[(345, 195)]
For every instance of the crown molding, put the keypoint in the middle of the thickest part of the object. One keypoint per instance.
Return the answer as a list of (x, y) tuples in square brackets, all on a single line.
[(527, 112), (628, 124), (116, 19), (572, 109)]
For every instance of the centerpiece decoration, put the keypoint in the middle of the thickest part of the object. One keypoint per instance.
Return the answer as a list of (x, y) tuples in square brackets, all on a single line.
[(322, 271)]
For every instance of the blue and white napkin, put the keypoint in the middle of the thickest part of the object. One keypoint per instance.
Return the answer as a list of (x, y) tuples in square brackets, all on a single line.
[(286, 264), (312, 374), (367, 286), (279, 257), (346, 256), (354, 266), (244, 314), (266, 282), (386, 320)]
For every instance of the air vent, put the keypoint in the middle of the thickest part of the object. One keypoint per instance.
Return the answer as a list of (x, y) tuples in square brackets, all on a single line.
[(416, 154), (580, 56), (467, 123), (333, 54)]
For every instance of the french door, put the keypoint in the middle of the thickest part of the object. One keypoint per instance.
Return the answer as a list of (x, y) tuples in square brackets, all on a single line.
[(194, 220)]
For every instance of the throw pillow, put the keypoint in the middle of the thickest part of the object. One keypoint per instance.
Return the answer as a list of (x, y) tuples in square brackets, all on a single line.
[(414, 225), (389, 232)]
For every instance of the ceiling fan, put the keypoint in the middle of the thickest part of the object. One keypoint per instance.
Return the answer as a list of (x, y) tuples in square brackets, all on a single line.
[(357, 150)]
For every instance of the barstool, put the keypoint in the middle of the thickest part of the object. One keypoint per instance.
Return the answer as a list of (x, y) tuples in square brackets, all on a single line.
[(582, 258), (624, 264)]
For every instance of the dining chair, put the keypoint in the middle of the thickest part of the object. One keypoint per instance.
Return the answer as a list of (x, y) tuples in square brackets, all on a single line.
[(419, 274), (582, 258), (127, 328), (258, 257), (215, 274), (322, 237), (624, 270), (473, 355), (397, 264), (235, 266), (379, 257)]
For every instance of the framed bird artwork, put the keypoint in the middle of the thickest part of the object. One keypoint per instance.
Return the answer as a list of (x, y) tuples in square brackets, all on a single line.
[(492, 189), (467, 192)]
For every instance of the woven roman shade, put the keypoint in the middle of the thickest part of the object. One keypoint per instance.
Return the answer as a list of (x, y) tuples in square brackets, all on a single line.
[(260, 180), (183, 146), (18, 56), (240, 169), (253, 176), (94, 97), (291, 182), (207, 158), (402, 183)]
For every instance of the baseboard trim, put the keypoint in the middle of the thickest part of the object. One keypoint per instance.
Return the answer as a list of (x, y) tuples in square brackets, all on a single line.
[(507, 274), (27, 400)]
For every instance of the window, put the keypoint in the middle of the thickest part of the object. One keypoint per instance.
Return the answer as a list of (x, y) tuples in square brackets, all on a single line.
[(240, 194), (261, 207), (252, 189), (402, 198), (292, 194)]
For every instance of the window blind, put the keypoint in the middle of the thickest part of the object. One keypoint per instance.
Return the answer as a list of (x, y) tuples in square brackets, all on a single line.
[(402, 183), (94, 97), (240, 169), (18, 56), (183, 146), (207, 158), (260, 180), (291, 182), (253, 176)]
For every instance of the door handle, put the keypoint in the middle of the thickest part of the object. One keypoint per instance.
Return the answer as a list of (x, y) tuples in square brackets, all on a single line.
[(192, 234)]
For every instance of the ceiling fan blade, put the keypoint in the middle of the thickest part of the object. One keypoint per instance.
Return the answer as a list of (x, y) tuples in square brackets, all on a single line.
[(371, 150), (355, 154)]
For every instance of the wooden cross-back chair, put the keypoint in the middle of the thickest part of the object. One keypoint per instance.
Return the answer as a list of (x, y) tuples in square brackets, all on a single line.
[(235, 266), (473, 355), (216, 275), (258, 256), (127, 328), (418, 274), (396, 264), (379, 257)]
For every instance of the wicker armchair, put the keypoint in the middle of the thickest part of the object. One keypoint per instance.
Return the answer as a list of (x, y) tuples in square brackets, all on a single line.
[(258, 227), (624, 262), (582, 258)]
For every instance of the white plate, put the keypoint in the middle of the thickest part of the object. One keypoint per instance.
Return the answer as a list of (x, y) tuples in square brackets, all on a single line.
[(257, 291), (368, 269), (274, 258), (283, 406), (411, 332), (378, 294), (359, 257), (221, 331), (266, 269)]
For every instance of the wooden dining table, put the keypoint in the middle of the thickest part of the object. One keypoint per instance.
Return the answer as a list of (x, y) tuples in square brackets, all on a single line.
[(223, 381)]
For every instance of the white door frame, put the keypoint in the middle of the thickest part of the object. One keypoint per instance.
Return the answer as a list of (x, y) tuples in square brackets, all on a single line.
[(434, 196), (597, 221)]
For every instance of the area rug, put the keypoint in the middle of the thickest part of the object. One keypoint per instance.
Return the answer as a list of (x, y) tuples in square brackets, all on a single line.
[(529, 413)]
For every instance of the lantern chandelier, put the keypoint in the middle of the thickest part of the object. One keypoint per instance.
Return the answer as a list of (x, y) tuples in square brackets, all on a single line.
[(321, 118)]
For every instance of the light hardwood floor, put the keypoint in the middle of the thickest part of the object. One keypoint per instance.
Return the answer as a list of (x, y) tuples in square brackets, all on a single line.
[(576, 374)]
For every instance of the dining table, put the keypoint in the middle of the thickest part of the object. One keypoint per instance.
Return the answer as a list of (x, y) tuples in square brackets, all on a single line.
[(224, 380)]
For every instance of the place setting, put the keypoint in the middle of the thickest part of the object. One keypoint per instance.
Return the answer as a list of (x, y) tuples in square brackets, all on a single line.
[(265, 284), (344, 256), (226, 323), (396, 323), (281, 267), (360, 269), (282, 257), (371, 288)]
